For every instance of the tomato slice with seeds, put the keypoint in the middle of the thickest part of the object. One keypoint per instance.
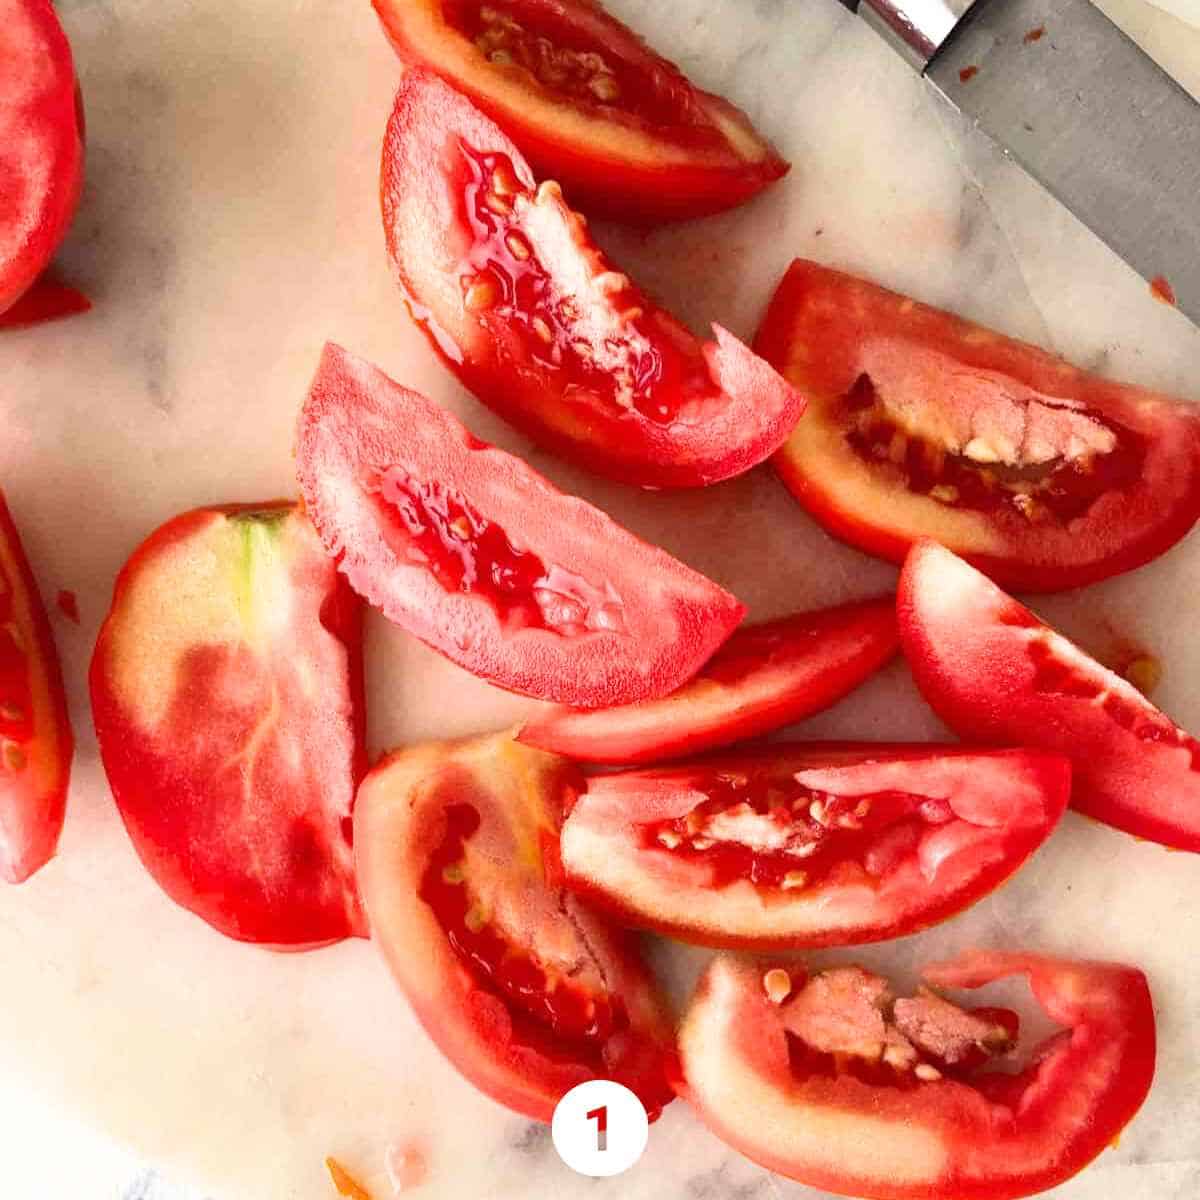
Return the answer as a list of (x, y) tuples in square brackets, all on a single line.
[(522, 987), (35, 733), (924, 425), (227, 696), (521, 304), (589, 103), (996, 674), (472, 551), (806, 844), (41, 151), (800, 1074), (766, 676)]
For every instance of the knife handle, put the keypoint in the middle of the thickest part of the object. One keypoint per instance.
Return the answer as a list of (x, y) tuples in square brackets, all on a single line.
[(916, 28)]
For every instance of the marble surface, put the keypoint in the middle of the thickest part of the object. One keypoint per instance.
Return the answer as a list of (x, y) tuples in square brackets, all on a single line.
[(229, 227)]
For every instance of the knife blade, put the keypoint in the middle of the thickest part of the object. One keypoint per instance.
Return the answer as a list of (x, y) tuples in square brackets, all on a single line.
[(1081, 107)]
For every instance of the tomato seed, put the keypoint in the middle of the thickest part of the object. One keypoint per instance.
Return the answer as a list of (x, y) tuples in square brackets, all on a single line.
[(518, 247), (777, 983), (605, 88), (14, 757), (927, 1073), (481, 294), (793, 880), (501, 206)]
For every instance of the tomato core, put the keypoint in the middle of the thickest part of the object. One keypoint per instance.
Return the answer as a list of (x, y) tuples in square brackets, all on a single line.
[(549, 1012), (595, 332), (778, 833), (466, 552), (1056, 485)]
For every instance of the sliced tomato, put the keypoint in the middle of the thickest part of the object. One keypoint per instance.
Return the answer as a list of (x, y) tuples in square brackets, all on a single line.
[(995, 673), (924, 425), (521, 304), (41, 143), (589, 103), (831, 1081), (475, 553), (766, 676), (806, 844), (521, 986), (226, 691), (35, 732)]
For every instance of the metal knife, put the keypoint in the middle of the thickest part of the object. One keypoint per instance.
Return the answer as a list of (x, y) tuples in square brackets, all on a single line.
[(1081, 107)]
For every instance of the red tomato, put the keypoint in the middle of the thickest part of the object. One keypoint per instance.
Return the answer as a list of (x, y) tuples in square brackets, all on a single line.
[(226, 691), (833, 1083), (521, 304), (924, 425), (522, 988), (994, 673), (41, 143), (805, 844), (590, 103), (35, 734), (472, 551), (766, 676)]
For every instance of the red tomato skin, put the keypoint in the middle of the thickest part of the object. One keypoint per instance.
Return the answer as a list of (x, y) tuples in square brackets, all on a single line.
[(52, 116), (644, 176), (731, 1034), (47, 300), (675, 617), (33, 794), (968, 646), (191, 831), (813, 330), (765, 677), (427, 244), (605, 861), (399, 822)]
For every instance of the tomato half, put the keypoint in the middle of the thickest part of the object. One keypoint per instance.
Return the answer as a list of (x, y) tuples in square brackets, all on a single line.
[(226, 691), (35, 733), (921, 424), (521, 304), (995, 673), (805, 844), (521, 986), (766, 676), (41, 143), (590, 103), (479, 556), (832, 1082)]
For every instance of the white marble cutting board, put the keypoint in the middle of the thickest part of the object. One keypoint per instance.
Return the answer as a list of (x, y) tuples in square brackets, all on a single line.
[(230, 226)]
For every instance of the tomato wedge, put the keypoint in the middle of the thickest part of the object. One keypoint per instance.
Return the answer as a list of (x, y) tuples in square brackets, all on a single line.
[(521, 304), (41, 143), (995, 673), (48, 299), (766, 676), (476, 554), (805, 844), (832, 1082), (589, 103), (226, 691), (35, 734), (523, 988), (924, 425)]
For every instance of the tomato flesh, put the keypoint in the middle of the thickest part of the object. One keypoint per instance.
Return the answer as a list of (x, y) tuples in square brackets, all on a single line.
[(35, 734), (766, 676), (801, 1073), (523, 988), (41, 151), (226, 693), (810, 844), (472, 551), (924, 425), (516, 297), (589, 103), (996, 674)]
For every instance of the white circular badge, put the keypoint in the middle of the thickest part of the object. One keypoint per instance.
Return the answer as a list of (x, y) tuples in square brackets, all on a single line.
[(599, 1128)]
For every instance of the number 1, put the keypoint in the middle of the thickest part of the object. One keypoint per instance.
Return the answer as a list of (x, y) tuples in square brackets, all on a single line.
[(600, 1116)]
